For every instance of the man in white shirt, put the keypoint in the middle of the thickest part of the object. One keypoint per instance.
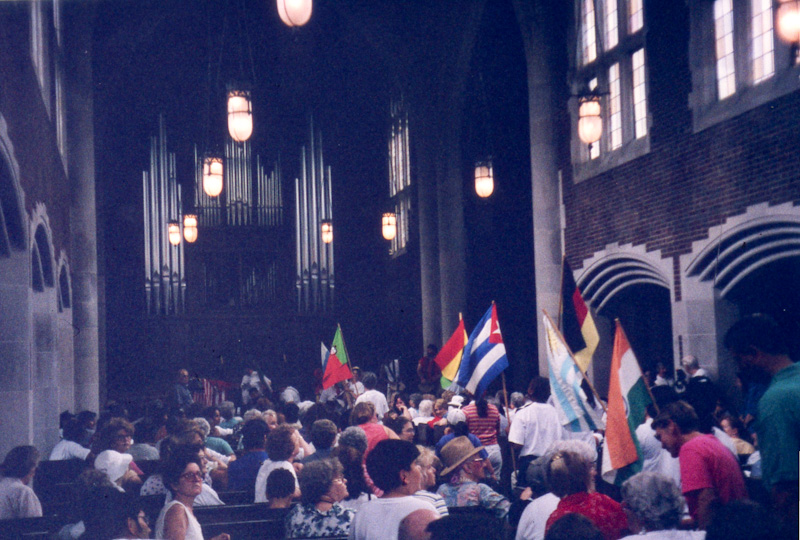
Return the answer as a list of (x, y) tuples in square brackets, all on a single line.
[(397, 514), (535, 427), (68, 447), (373, 396), (17, 499)]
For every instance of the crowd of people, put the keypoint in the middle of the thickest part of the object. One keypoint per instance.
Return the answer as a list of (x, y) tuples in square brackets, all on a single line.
[(439, 464)]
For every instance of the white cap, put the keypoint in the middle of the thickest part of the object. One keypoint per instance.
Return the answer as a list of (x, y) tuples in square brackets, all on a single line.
[(113, 463)]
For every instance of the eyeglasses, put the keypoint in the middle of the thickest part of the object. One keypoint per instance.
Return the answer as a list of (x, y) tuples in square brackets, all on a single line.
[(193, 476), (341, 479)]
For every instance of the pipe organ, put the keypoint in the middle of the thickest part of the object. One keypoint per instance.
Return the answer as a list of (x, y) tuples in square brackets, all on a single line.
[(165, 283), (315, 268)]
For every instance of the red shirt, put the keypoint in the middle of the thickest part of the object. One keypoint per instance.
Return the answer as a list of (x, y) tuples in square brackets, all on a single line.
[(706, 463), (484, 428), (375, 434), (606, 513)]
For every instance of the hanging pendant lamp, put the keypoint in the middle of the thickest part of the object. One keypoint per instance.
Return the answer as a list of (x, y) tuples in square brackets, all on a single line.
[(294, 12)]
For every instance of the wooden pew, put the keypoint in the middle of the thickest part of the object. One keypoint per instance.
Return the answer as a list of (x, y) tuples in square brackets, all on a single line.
[(237, 497), (247, 530), (28, 528), (237, 512)]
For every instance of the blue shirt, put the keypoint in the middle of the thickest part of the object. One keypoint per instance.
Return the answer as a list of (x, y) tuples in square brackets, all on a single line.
[(243, 471)]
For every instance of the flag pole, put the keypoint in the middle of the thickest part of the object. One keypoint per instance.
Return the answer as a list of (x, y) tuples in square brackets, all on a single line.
[(652, 397), (585, 378), (508, 417), (561, 298)]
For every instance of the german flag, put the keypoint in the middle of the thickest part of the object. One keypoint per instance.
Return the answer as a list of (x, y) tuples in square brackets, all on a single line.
[(577, 325)]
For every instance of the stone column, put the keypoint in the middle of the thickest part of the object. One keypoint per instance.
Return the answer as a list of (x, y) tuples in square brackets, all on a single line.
[(537, 24), (428, 232), (438, 106), (83, 214), (452, 236), (700, 321)]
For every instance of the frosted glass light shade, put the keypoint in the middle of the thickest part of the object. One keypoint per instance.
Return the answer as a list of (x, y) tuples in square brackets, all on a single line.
[(190, 228), (484, 179), (240, 115), (174, 231), (327, 231), (212, 175), (590, 123), (389, 225), (294, 12), (787, 19)]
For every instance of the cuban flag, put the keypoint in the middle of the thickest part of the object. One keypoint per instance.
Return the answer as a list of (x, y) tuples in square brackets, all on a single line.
[(484, 355)]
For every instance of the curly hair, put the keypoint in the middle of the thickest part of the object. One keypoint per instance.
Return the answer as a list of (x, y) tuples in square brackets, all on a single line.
[(173, 467), (654, 499), (281, 443), (105, 439), (280, 484), (316, 479)]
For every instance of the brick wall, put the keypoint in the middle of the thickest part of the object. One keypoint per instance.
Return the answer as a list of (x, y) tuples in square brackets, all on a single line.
[(688, 182)]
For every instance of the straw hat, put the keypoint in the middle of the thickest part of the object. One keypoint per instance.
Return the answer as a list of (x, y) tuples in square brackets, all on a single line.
[(456, 452)]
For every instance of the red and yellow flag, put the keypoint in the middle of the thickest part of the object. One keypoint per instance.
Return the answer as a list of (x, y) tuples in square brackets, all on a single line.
[(449, 357)]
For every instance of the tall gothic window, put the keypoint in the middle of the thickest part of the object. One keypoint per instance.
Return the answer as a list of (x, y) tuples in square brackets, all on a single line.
[(737, 61), (610, 58), (399, 175)]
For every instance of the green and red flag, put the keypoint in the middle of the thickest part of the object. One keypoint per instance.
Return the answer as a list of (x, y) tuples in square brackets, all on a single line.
[(337, 368)]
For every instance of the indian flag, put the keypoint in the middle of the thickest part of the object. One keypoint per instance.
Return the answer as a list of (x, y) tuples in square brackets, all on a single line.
[(449, 357), (628, 398)]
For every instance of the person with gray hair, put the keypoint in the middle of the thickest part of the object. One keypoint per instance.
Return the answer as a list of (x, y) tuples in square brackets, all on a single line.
[(228, 412), (322, 487), (654, 505)]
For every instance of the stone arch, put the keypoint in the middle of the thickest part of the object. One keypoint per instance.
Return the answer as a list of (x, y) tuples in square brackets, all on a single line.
[(43, 244), (15, 299), (737, 251), (64, 283), (611, 271), (633, 285), (13, 232)]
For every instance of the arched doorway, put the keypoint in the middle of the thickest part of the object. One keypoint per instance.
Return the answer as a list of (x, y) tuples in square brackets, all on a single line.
[(15, 265), (632, 286), (750, 264)]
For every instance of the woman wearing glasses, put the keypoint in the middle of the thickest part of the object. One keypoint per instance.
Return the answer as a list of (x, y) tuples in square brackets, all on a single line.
[(183, 476)]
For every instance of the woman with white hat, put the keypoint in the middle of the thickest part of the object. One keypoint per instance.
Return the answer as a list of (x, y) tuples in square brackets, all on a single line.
[(463, 471)]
